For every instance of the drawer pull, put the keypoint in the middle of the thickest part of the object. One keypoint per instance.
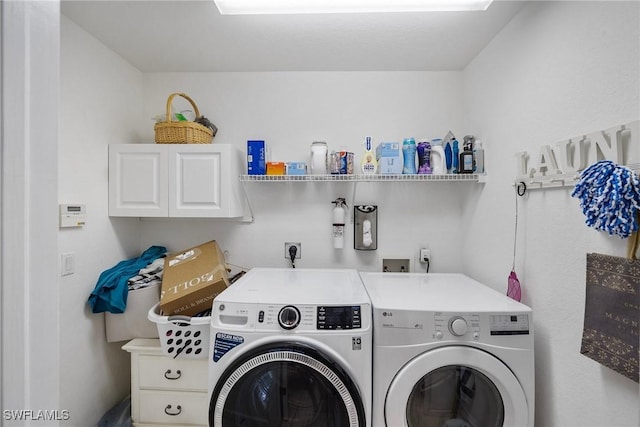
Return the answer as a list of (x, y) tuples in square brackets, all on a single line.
[(167, 410), (168, 375)]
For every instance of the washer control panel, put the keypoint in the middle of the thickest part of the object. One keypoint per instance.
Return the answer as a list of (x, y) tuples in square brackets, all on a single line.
[(288, 317), (309, 317), (339, 317)]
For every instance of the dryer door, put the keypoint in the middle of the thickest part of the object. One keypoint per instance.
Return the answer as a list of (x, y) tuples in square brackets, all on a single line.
[(285, 384), (456, 387)]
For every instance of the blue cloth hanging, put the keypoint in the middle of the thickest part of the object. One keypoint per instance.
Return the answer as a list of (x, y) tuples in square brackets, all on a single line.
[(609, 197), (110, 293)]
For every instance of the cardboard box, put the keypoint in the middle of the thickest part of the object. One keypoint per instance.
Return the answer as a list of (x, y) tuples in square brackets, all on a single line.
[(389, 157), (275, 168), (192, 279), (133, 323), (256, 157), (296, 168)]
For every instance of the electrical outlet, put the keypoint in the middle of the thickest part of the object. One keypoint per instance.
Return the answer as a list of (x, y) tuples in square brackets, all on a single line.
[(396, 265), (298, 246), (425, 255)]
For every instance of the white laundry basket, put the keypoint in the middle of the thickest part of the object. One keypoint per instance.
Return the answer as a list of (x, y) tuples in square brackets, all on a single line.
[(182, 336)]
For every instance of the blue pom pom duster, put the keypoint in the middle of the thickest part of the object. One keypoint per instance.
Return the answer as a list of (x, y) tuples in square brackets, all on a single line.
[(609, 197)]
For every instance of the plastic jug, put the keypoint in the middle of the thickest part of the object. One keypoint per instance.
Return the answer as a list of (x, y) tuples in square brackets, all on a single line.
[(424, 157), (319, 158), (438, 160), (409, 156)]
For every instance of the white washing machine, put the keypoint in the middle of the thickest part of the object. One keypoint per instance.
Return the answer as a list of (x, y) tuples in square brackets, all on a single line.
[(291, 347), (449, 351)]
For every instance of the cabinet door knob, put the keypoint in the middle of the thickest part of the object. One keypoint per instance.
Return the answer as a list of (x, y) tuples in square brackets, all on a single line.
[(167, 410), (168, 375)]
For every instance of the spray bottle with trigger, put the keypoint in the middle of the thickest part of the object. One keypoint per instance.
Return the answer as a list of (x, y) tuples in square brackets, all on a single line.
[(456, 153), (338, 219)]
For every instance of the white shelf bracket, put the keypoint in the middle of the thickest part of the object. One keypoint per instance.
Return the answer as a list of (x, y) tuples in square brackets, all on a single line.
[(246, 197)]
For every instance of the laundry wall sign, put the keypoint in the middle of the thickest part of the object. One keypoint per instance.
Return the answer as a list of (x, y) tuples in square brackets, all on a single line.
[(572, 155)]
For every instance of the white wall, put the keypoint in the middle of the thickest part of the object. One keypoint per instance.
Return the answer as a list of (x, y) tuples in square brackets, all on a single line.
[(289, 111), (558, 70), (101, 103)]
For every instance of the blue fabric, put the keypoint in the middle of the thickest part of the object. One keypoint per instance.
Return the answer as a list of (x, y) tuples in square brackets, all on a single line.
[(609, 197), (110, 293)]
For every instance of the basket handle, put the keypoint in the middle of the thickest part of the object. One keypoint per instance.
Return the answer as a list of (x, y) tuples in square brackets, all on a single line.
[(178, 318), (185, 96)]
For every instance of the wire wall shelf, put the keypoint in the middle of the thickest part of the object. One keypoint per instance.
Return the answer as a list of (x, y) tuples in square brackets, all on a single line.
[(356, 179), (365, 178)]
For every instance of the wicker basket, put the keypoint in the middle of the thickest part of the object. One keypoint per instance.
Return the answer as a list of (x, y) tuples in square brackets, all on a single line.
[(175, 132)]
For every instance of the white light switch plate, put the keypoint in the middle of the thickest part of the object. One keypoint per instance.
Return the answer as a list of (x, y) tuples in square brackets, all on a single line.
[(68, 263)]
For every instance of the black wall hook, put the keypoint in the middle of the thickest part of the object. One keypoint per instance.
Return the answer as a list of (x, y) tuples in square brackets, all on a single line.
[(521, 189)]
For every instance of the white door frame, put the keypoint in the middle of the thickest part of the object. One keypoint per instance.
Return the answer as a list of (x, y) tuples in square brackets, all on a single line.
[(29, 356)]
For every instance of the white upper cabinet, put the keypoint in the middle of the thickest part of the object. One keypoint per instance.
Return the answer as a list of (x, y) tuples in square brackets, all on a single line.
[(138, 180), (181, 180)]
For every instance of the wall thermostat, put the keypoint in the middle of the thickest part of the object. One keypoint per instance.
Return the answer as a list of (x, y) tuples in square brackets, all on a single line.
[(72, 215)]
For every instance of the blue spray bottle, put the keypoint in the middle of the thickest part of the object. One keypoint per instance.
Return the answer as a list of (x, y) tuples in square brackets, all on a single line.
[(448, 156), (456, 153)]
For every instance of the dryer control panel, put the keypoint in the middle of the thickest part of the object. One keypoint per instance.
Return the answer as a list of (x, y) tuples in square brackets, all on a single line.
[(509, 324), (470, 325), (448, 325)]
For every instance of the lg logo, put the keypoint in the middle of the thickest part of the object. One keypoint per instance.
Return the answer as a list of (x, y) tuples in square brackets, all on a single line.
[(387, 314)]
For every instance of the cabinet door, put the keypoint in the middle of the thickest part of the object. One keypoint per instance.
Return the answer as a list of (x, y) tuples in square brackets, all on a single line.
[(138, 175), (203, 181)]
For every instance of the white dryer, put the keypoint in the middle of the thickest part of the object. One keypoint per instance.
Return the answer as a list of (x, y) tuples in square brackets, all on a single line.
[(291, 347), (449, 351)]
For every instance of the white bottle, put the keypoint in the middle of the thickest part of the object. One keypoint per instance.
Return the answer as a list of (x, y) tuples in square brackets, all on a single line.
[(369, 163), (319, 158), (438, 161), (478, 157)]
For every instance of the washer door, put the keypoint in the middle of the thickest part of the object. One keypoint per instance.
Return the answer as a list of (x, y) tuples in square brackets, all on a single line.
[(285, 384), (456, 387)]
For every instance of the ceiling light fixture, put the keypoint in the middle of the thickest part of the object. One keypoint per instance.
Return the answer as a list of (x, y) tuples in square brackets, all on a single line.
[(262, 7)]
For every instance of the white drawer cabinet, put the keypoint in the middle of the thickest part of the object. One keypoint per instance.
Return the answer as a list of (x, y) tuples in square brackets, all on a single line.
[(175, 180), (166, 391)]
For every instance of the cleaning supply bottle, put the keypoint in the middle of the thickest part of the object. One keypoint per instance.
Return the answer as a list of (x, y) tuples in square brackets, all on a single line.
[(455, 154), (448, 156), (478, 157), (424, 157), (438, 159), (369, 164), (466, 162), (409, 156)]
